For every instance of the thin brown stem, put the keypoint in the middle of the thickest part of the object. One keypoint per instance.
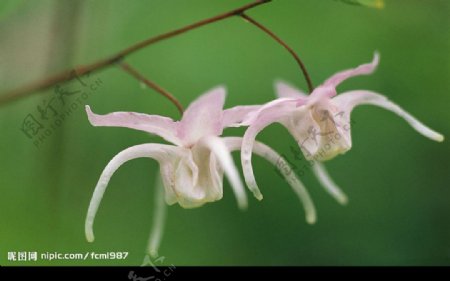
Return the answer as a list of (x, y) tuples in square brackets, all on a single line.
[(286, 46), (133, 72), (84, 69)]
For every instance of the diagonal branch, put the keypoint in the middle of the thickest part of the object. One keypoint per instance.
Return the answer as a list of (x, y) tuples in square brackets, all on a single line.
[(133, 72), (286, 46), (67, 75)]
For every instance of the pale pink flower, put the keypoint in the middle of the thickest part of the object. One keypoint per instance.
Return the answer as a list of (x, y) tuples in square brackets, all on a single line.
[(192, 168), (319, 122)]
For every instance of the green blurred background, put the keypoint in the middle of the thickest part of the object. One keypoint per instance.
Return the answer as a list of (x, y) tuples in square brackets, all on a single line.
[(397, 180)]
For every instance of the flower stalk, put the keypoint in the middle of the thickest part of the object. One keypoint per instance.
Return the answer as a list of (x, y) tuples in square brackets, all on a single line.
[(285, 45), (133, 72)]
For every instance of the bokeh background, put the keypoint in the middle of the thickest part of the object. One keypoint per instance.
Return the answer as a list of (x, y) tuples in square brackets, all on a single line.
[(397, 180)]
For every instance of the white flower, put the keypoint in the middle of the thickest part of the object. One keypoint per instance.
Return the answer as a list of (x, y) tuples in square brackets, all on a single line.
[(320, 122), (192, 168)]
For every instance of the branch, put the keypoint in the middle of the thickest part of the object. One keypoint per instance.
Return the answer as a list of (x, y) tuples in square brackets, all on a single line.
[(67, 75), (133, 72), (281, 42)]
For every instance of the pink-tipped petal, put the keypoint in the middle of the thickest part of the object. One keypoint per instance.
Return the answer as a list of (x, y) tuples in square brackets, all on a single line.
[(220, 150), (347, 101), (154, 124), (363, 69), (159, 152), (285, 90), (234, 143), (203, 117), (232, 117)]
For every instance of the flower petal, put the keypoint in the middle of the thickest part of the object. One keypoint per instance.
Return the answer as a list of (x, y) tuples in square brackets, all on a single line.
[(285, 90), (305, 130), (235, 115), (215, 174), (190, 193), (154, 124), (159, 219), (347, 101), (160, 152), (198, 178), (326, 181), (167, 171), (234, 143), (220, 150), (203, 117), (321, 131), (272, 113), (363, 69), (277, 105)]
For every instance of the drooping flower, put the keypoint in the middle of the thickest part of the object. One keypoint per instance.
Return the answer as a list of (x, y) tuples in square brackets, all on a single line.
[(319, 122), (192, 168)]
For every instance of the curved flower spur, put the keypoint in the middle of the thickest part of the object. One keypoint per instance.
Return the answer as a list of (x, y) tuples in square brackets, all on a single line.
[(192, 168), (320, 122)]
